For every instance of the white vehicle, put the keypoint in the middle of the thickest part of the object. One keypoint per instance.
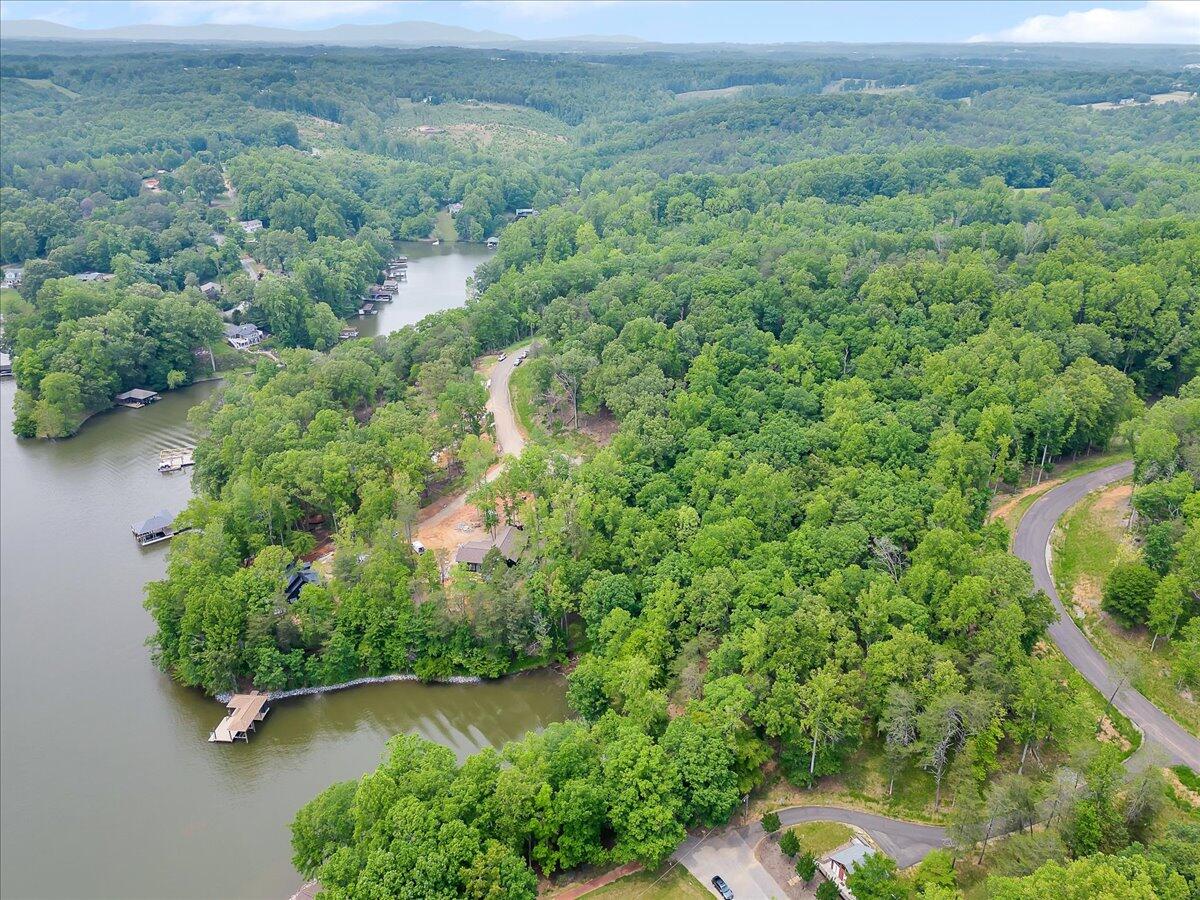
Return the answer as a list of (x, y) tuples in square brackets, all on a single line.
[(503, 357), (517, 361), (488, 385), (418, 547)]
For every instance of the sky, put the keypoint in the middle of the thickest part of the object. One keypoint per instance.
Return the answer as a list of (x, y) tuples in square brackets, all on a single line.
[(675, 21)]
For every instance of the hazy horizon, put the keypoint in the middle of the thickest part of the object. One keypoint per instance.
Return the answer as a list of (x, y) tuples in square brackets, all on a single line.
[(669, 21)]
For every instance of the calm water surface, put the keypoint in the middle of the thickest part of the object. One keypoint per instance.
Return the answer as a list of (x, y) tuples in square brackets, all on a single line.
[(437, 278), (109, 787)]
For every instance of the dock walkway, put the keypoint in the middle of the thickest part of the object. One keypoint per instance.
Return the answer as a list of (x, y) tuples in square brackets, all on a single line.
[(245, 711)]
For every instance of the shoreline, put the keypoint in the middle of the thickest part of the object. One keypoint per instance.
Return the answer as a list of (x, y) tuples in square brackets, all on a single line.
[(359, 682)]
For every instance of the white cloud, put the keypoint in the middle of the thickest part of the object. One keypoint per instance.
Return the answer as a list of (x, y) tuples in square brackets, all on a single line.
[(1158, 22), (257, 12)]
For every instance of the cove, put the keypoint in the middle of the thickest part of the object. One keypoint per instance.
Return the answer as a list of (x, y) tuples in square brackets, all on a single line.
[(110, 787)]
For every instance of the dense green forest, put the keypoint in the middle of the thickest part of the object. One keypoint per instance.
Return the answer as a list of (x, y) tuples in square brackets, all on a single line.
[(828, 325)]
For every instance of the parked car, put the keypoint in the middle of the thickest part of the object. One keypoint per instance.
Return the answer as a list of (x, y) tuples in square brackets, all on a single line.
[(722, 888), (503, 357), (418, 547), (518, 361)]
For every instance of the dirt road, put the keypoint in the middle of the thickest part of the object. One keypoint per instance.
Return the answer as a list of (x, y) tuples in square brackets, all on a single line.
[(509, 442)]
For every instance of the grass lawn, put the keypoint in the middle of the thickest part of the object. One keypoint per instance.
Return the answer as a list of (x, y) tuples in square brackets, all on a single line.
[(818, 838), (444, 227), (676, 884), (1090, 541)]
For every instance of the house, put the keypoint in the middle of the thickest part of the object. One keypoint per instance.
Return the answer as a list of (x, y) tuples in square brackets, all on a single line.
[(454, 209), (93, 277), (492, 243), (507, 541), (211, 290), (159, 527), (137, 398), (151, 185), (297, 577), (838, 865), (429, 129), (526, 213), (12, 277), (251, 225), (242, 336)]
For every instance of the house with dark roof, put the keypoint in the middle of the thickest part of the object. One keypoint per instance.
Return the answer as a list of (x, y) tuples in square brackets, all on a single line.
[(242, 336), (508, 541), (298, 575)]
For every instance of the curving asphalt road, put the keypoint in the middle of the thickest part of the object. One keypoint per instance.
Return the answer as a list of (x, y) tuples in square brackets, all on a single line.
[(1032, 544), (729, 852)]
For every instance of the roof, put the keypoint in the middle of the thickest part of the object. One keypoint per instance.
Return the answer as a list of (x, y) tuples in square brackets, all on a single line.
[(298, 576), (851, 855), (246, 330), (506, 540), (244, 711), (137, 394), (210, 284), (473, 552), (157, 522)]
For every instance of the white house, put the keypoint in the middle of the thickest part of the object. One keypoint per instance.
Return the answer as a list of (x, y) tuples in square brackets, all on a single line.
[(251, 225)]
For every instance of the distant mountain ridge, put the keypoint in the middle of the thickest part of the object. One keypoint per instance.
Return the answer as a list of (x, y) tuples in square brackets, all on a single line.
[(410, 33)]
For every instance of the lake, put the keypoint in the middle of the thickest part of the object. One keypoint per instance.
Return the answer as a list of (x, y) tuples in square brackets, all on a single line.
[(110, 787), (437, 278)]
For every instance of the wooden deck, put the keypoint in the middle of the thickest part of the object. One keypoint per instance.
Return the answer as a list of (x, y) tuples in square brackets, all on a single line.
[(175, 459), (245, 711)]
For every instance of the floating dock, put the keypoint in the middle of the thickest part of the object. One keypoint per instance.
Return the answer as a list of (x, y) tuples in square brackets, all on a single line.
[(245, 711), (175, 459)]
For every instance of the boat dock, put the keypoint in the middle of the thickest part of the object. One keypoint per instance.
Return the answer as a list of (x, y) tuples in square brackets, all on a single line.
[(175, 459), (159, 527), (245, 711), (137, 398)]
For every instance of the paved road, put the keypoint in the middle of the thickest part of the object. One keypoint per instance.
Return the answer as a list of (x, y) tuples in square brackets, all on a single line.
[(906, 842), (729, 852), (1032, 544)]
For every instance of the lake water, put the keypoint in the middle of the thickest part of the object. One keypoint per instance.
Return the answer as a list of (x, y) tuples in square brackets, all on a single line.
[(109, 786), (437, 279)]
